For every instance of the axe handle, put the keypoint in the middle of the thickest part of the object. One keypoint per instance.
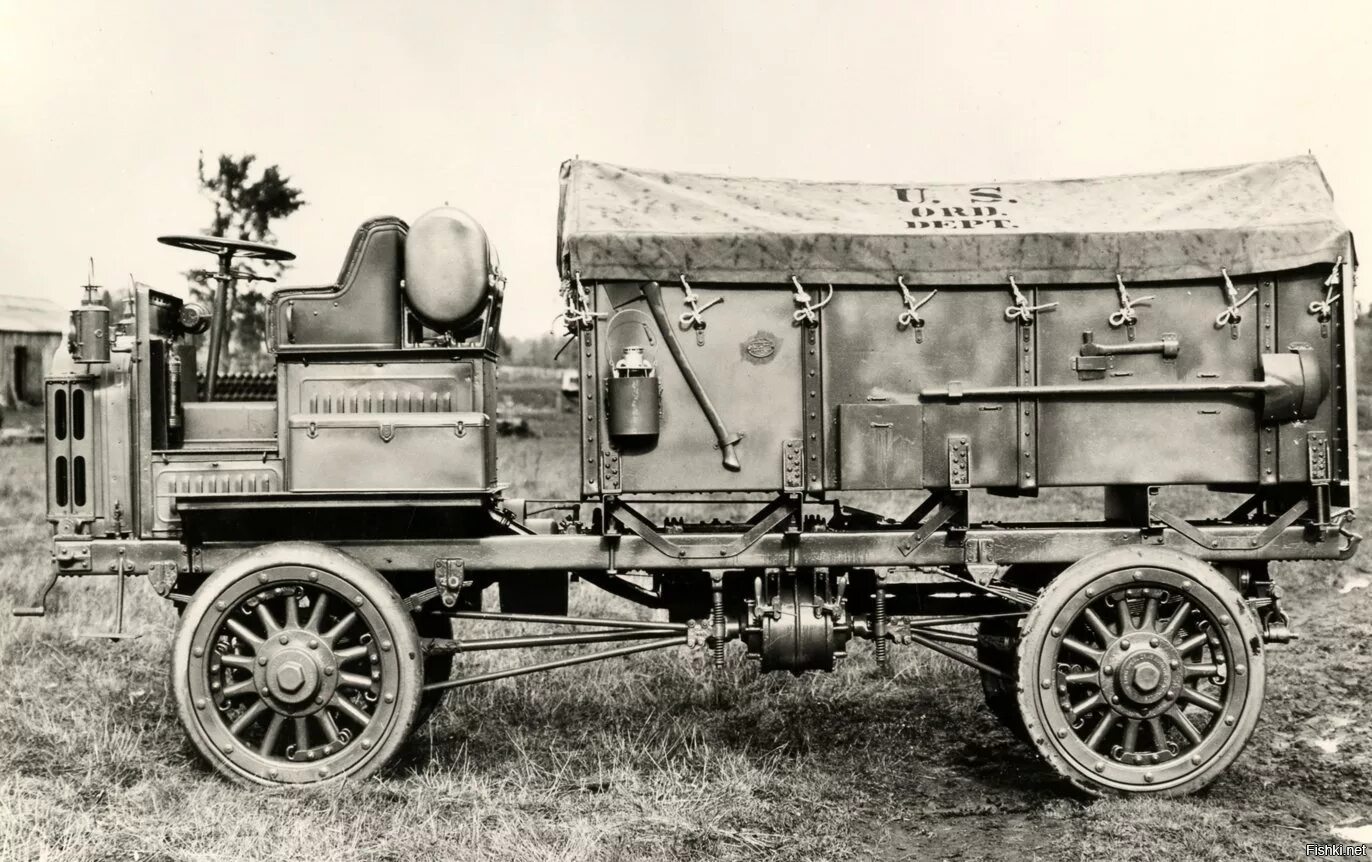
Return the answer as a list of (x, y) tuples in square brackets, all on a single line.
[(653, 294)]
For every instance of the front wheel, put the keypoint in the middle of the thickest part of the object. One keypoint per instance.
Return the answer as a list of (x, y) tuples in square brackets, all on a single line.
[(1140, 671), (296, 664)]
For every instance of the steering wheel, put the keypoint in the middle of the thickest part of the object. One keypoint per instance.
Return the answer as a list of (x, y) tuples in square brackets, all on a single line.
[(223, 246), (225, 249)]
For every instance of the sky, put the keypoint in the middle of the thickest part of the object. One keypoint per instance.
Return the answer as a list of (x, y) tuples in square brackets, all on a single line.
[(395, 108)]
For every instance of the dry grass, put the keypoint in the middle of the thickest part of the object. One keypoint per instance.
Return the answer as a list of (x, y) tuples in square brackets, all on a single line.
[(654, 757)]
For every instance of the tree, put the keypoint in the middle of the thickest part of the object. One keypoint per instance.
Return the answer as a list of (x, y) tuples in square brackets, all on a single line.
[(245, 208)]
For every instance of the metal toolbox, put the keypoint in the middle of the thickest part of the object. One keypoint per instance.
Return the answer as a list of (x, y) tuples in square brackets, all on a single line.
[(392, 452)]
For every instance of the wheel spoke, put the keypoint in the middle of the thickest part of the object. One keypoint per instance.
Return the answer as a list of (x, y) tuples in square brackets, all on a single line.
[(350, 709), (244, 721), (244, 687), (1184, 724), (1195, 670), (1157, 733), (244, 633), (273, 733), (329, 726), (1131, 735), (292, 612), (1150, 614), (1086, 677), (321, 603), (302, 733), (1104, 632), (1204, 701), (1080, 709), (1126, 618), (233, 659), (268, 621), (352, 653), (1178, 617), (1083, 650), (340, 627), (1103, 727), (1192, 643), (355, 680)]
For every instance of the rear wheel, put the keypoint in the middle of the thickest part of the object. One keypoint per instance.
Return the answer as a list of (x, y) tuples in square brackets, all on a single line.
[(437, 666), (998, 646), (1141, 672), (296, 664), (997, 641)]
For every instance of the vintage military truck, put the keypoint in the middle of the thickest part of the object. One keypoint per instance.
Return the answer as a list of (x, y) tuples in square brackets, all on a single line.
[(779, 349)]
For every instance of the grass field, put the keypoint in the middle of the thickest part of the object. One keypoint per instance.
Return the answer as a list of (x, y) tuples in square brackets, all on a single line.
[(654, 757)]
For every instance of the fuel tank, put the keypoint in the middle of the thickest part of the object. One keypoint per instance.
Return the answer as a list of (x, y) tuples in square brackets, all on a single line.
[(449, 268)]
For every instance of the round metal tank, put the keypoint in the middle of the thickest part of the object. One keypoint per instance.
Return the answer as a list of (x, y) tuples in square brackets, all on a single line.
[(634, 403), (90, 333), (448, 268)]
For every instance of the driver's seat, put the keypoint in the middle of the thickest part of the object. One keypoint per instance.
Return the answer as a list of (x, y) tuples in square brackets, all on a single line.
[(363, 311)]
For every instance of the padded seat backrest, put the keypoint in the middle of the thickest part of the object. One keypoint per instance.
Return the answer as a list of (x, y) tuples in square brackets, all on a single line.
[(363, 311)]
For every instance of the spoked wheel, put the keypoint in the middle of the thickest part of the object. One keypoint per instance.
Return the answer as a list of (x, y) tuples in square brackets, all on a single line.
[(998, 645), (997, 641), (1141, 671), (296, 664), (437, 666)]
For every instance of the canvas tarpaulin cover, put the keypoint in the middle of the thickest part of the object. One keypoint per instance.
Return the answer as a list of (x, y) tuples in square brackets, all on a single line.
[(620, 223)]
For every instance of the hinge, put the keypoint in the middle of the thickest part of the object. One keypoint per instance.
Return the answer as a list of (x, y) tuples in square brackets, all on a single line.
[(793, 465), (609, 469), (959, 463), (1317, 446)]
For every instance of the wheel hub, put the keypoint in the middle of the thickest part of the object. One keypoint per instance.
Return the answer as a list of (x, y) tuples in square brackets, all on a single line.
[(1140, 674), (296, 672), (1144, 677), (292, 676)]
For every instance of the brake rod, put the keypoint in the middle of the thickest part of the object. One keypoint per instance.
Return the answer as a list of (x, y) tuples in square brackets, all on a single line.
[(567, 621), (440, 646), (558, 663), (953, 654)]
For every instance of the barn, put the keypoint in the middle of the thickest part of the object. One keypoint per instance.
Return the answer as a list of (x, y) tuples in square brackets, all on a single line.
[(30, 330)]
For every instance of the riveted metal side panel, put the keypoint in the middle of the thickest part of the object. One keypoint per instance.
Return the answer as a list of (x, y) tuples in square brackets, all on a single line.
[(588, 350), (869, 358), (1295, 326), (486, 402), (748, 360), (1149, 439), (881, 446), (394, 426), (216, 474), (1346, 450)]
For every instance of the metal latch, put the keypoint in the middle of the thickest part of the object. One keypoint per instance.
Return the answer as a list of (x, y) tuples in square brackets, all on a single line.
[(806, 314), (694, 317), (909, 318), (1230, 317), (1022, 310), (71, 557), (1127, 316), (1323, 309)]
